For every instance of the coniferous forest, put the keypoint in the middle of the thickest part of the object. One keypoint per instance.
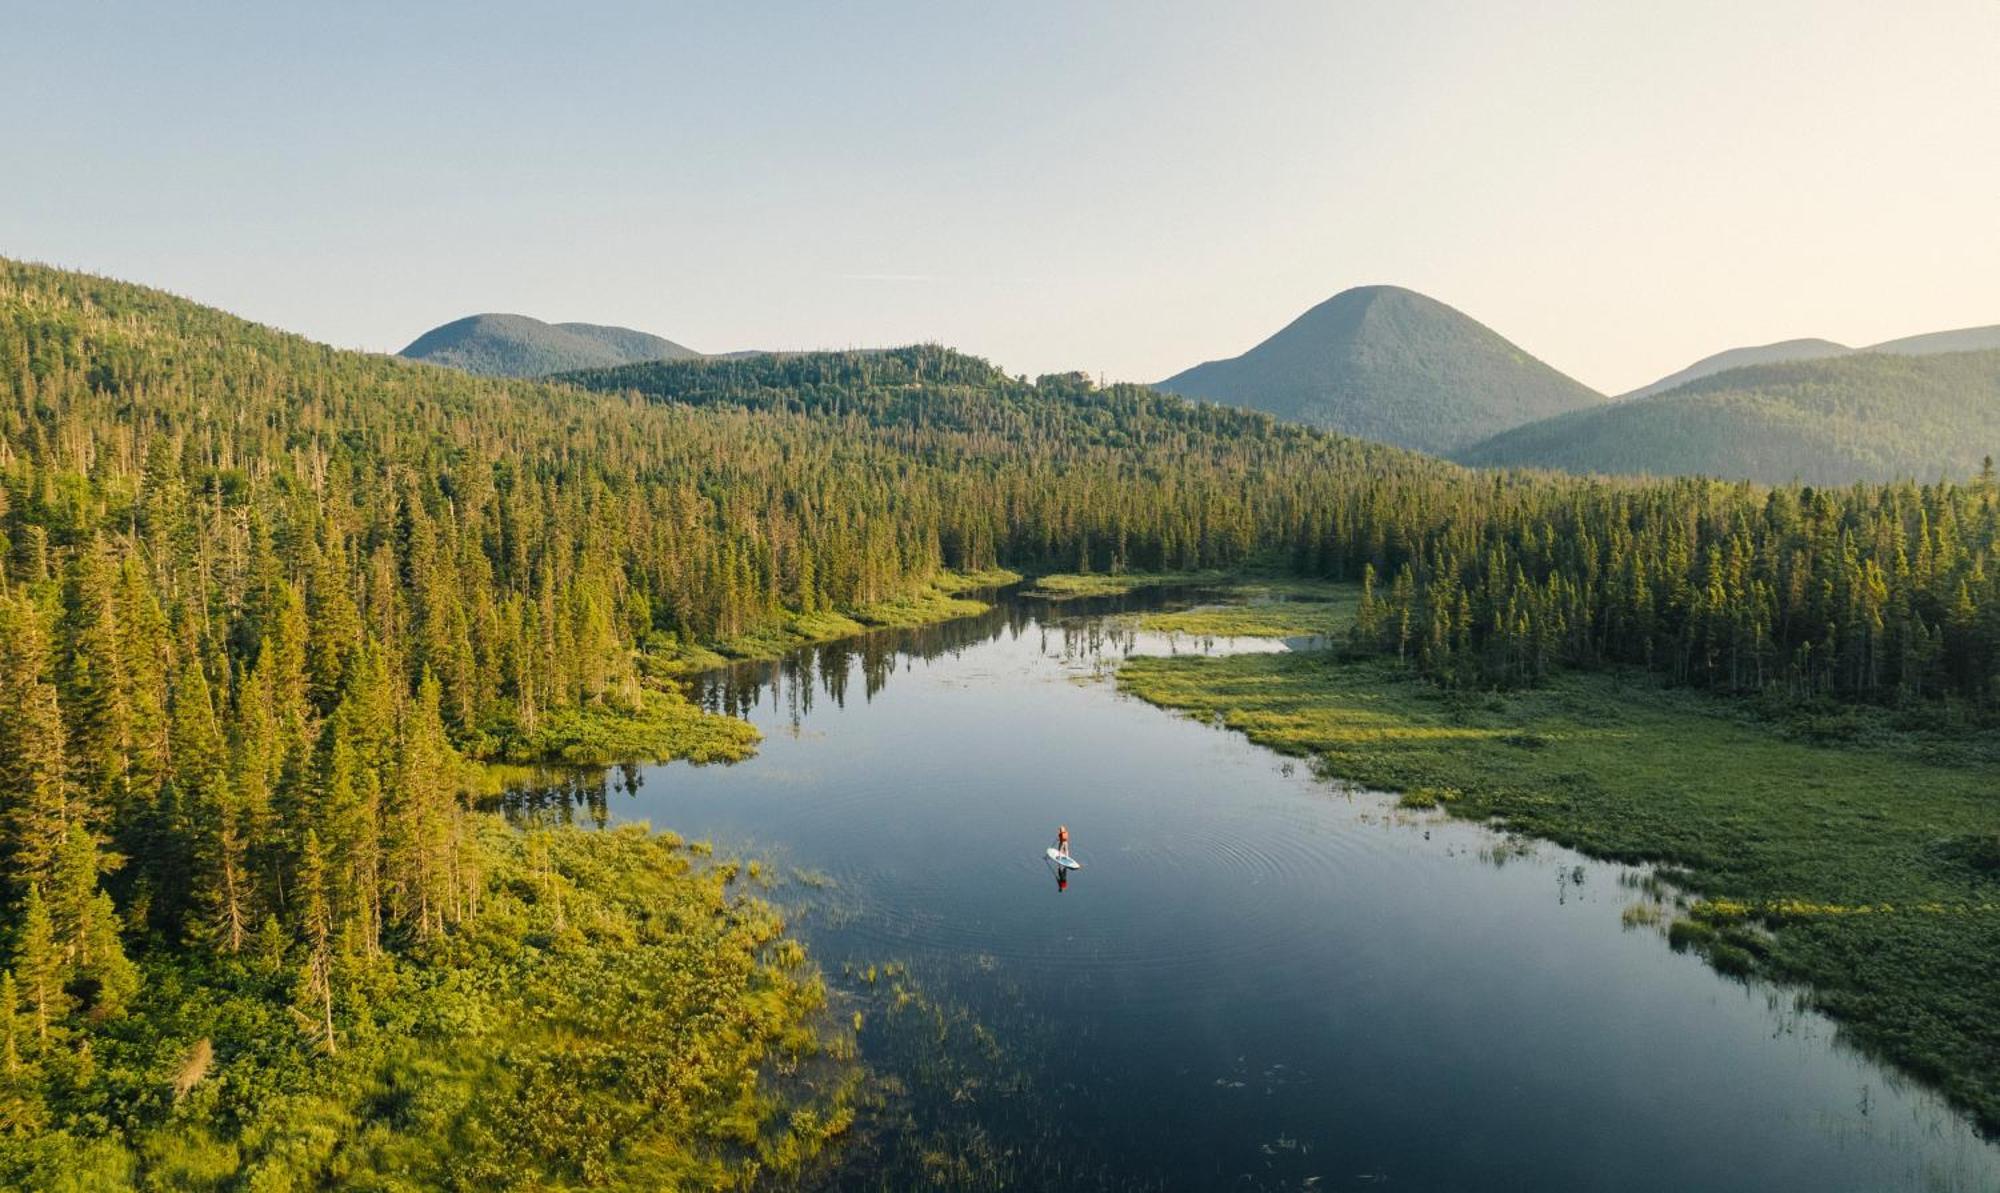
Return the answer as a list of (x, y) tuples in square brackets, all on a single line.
[(266, 606)]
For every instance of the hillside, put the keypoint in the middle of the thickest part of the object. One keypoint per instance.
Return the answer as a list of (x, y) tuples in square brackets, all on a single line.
[(1389, 364), (518, 346), (1868, 416)]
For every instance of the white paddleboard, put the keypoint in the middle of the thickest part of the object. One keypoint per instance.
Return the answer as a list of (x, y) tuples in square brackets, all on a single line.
[(1064, 860)]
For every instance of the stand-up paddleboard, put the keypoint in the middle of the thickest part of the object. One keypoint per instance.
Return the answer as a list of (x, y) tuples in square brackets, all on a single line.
[(1064, 860)]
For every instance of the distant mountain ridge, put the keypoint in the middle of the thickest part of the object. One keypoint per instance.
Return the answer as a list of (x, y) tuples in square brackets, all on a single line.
[(502, 345), (1964, 339), (1737, 358), (1389, 364), (1860, 416)]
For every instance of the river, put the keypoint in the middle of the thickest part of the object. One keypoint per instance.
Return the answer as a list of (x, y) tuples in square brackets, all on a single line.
[(1259, 980)]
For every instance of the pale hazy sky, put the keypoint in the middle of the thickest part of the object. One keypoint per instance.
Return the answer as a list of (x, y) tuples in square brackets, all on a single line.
[(1619, 187)]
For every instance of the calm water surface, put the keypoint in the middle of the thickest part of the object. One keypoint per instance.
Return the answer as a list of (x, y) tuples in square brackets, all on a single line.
[(1259, 980)]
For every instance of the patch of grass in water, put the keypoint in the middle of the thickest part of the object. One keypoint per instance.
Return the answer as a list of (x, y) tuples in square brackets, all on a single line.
[(1642, 915), (1070, 586), (953, 583)]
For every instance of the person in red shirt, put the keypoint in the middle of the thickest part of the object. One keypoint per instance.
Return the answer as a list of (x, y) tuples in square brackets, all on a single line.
[(1062, 839)]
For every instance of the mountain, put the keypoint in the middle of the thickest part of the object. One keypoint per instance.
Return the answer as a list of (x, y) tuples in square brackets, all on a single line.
[(1386, 363), (1876, 415), (518, 346), (1737, 358)]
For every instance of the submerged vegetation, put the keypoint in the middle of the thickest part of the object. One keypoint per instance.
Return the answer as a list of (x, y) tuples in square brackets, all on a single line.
[(1854, 860), (954, 1098)]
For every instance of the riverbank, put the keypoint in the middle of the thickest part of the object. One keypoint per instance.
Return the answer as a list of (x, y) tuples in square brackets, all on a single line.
[(1838, 850)]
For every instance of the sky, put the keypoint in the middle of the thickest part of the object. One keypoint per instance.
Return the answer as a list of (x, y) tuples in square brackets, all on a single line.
[(1618, 186)]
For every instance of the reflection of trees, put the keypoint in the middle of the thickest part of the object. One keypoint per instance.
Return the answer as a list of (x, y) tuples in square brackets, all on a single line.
[(554, 796)]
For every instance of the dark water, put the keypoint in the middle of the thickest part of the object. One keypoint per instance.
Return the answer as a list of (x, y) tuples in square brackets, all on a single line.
[(1258, 980)]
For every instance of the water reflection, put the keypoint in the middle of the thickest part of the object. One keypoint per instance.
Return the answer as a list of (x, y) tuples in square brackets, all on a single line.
[(560, 796)]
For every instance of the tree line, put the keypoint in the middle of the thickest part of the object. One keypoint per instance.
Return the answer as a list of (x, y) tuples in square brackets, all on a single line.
[(1880, 593)]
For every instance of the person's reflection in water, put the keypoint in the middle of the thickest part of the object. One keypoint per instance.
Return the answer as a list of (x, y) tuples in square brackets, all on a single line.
[(1062, 877)]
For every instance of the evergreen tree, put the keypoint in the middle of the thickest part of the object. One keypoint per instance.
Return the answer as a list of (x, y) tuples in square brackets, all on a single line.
[(33, 776), (211, 817), (39, 964), (314, 1004)]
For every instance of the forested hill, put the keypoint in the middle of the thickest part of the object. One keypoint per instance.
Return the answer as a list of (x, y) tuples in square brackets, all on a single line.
[(1389, 364), (980, 408), (1871, 416), (518, 346)]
